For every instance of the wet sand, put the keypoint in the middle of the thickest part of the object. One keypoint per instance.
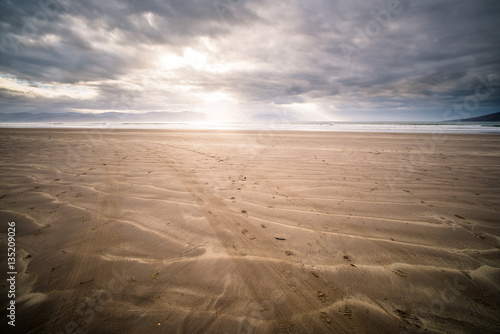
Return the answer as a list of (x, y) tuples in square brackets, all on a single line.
[(145, 231)]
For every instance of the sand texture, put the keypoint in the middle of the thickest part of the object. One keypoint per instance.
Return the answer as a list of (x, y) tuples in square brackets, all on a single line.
[(145, 231)]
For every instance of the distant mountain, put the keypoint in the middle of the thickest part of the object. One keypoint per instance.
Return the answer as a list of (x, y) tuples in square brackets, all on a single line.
[(485, 118), (108, 117)]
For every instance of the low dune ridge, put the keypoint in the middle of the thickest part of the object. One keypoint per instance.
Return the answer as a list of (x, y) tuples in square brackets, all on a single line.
[(149, 231)]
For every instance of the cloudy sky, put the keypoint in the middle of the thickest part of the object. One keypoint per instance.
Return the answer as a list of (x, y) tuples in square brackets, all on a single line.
[(340, 60)]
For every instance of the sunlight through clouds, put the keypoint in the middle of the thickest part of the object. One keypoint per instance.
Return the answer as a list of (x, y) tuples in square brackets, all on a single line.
[(48, 90), (252, 57), (193, 58)]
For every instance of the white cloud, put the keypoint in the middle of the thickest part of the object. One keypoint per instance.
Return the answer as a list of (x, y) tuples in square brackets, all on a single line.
[(46, 90)]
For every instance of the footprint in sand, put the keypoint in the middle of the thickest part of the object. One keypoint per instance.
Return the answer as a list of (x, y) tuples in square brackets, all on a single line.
[(348, 312), (400, 273), (409, 318)]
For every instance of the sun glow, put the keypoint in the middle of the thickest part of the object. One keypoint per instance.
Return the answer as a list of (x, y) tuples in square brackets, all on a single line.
[(219, 106), (203, 61), (190, 58)]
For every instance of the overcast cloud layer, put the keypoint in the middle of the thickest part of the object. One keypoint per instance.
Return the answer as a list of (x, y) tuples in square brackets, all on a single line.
[(312, 60)]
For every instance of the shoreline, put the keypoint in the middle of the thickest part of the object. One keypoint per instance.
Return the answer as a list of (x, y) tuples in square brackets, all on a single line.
[(337, 127), (249, 131)]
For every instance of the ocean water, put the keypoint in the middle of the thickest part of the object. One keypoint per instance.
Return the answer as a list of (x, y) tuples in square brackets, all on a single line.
[(403, 127)]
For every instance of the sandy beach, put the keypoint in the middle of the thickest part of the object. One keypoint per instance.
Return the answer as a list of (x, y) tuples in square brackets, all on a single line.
[(148, 231)]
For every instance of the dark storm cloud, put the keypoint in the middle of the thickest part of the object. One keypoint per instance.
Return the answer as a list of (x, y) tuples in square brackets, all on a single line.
[(176, 22), (414, 57)]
